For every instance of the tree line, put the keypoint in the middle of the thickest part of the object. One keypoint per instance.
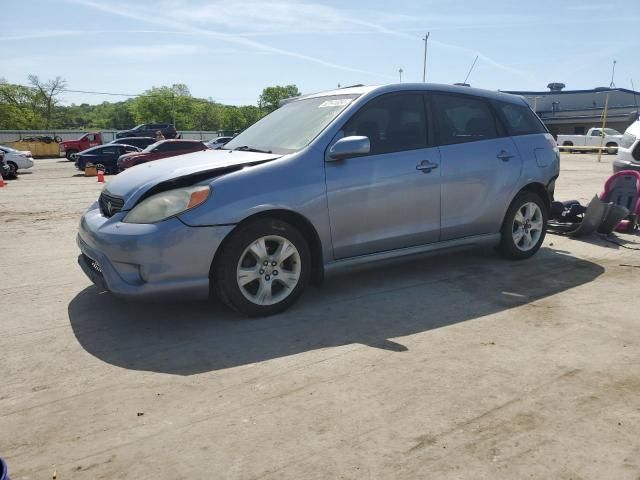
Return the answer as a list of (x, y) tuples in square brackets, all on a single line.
[(37, 106)]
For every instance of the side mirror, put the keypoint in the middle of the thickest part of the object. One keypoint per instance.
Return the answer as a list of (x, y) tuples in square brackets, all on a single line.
[(349, 147)]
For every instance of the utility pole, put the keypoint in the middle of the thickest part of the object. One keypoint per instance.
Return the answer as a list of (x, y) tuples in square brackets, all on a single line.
[(604, 124), (613, 72), (400, 72), (424, 64)]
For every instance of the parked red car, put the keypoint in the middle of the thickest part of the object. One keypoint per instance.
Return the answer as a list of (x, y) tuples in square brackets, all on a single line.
[(161, 149)]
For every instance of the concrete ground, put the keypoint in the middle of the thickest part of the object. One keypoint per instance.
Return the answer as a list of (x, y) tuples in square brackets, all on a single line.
[(458, 366)]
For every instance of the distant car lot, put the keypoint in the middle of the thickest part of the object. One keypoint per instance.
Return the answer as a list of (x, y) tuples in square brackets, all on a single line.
[(460, 366)]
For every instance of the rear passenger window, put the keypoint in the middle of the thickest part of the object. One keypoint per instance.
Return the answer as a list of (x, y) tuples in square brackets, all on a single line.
[(520, 119), (463, 119), (393, 123)]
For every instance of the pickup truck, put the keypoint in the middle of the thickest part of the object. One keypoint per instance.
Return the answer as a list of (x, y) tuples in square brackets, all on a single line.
[(70, 147), (591, 141)]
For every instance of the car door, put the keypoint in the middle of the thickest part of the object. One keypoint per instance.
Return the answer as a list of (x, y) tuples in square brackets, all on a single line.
[(389, 198), (93, 140), (480, 165)]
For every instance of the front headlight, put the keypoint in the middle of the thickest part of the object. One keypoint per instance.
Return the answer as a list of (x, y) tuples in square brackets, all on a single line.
[(167, 204)]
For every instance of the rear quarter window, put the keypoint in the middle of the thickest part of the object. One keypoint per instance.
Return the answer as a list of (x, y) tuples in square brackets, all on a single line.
[(519, 119), (463, 118)]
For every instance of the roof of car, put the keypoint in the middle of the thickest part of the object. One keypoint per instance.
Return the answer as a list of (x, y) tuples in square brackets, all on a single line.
[(132, 138), (430, 87)]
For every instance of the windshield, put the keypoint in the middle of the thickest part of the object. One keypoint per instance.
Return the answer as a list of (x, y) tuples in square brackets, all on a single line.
[(611, 131), (292, 126)]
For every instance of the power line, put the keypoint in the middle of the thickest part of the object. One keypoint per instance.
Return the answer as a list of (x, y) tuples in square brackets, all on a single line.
[(116, 94)]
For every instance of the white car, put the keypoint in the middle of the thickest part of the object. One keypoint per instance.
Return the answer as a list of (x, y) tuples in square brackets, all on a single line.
[(591, 141), (17, 159), (628, 157)]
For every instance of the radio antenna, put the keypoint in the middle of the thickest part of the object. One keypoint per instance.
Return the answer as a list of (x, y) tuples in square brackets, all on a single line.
[(635, 100), (471, 69)]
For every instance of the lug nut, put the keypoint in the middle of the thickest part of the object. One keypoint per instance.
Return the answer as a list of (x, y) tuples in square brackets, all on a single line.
[(274, 264), (265, 263), (275, 272), (261, 271), (267, 277)]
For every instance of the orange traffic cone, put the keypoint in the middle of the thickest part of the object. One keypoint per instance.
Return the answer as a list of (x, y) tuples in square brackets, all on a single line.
[(100, 176), (1, 181)]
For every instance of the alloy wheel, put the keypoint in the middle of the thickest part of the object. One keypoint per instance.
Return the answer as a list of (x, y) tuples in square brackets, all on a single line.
[(527, 226), (268, 270)]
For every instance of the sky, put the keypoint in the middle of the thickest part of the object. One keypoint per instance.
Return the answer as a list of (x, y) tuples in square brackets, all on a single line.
[(229, 51)]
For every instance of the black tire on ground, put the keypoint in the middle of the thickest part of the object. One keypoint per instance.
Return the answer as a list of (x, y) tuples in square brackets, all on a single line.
[(224, 269), (68, 154), (508, 247), (13, 169), (568, 144), (612, 148)]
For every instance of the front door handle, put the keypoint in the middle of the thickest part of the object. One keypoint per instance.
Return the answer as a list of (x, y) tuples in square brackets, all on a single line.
[(504, 155), (426, 166)]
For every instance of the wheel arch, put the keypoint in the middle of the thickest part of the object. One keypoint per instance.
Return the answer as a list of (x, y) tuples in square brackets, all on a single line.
[(534, 187), (539, 189), (301, 223)]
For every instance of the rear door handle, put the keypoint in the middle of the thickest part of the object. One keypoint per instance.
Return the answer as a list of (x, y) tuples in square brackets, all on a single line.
[(426, 166), (504, 155)]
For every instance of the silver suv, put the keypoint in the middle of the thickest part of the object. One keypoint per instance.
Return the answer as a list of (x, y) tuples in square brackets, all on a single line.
[(328, 180)]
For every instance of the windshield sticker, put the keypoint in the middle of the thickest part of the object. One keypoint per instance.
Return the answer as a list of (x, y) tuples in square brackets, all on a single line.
[(335, 103)]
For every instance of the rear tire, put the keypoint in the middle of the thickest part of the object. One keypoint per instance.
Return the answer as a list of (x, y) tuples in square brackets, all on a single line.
[(612, 148), (568, 144), (262, 268), (524, 226)]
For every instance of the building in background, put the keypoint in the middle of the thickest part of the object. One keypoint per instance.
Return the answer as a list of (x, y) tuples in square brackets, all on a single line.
[(573, 112)]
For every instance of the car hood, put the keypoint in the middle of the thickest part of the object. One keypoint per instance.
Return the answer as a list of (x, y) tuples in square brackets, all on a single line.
[(135, 181)]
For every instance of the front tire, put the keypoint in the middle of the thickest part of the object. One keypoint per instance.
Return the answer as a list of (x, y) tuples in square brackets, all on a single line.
[(69, 154), (262, 268), (524, 226), (13, 169)]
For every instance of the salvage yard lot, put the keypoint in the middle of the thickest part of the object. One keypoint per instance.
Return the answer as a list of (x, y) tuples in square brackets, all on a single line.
[(463, 365)]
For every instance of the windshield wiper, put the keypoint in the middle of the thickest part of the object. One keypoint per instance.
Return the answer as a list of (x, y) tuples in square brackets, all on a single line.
[(246, 148)]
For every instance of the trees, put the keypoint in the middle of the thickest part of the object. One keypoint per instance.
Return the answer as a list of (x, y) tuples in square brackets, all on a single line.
[(17, 107), (271, 96), (46, 95), (38, 106)]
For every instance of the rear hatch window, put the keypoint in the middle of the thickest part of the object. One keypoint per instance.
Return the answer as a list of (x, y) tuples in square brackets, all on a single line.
[(519, 119)]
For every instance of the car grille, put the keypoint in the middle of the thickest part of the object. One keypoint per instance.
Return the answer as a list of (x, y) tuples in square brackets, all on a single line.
[(110, 204), (95, 266)]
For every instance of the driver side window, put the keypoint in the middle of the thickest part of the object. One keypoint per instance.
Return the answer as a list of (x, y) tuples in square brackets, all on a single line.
[(393, 123)]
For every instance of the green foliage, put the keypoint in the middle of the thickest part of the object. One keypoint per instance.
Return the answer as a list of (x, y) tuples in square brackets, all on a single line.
[(271, 96), (18, 107), (37, 107)]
